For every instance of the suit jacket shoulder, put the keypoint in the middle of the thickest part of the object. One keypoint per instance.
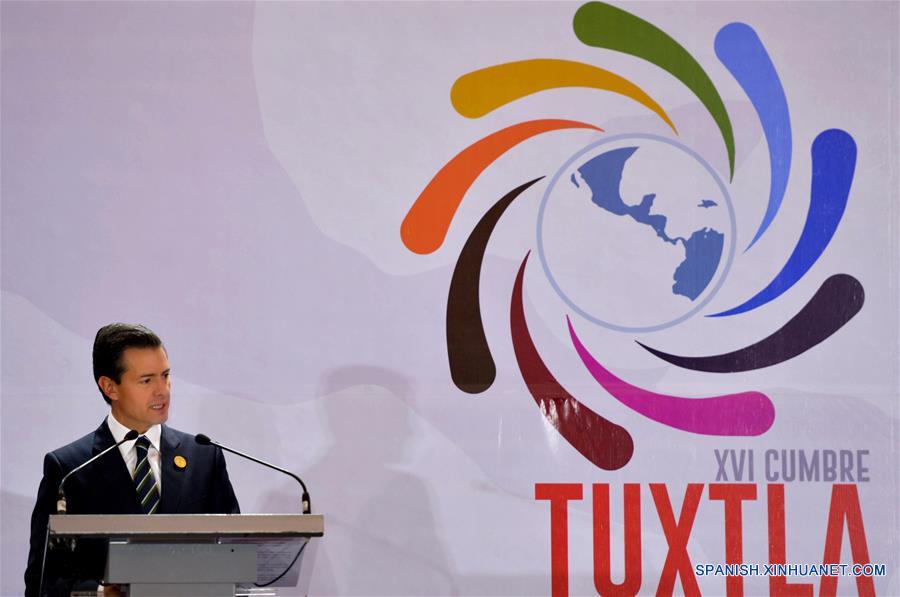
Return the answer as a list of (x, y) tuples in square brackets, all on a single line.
[(194, 477), (80, 450)]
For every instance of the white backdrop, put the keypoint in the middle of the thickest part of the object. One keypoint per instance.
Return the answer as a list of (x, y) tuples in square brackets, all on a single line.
[(234, 176)]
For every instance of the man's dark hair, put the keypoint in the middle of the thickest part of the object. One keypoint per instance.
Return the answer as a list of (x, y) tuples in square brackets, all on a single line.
[(111, 342)]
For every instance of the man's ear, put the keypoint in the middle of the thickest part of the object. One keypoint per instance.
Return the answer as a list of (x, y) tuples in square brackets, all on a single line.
[(109, 387)]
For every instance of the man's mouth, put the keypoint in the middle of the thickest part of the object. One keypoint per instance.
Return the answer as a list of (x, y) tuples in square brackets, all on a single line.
[(158, 407)]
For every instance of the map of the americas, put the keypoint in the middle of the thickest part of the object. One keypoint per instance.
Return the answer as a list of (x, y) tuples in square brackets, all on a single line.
[(702, 249)]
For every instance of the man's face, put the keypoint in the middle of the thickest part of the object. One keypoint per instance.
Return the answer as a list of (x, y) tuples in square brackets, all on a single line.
[(141, 399)]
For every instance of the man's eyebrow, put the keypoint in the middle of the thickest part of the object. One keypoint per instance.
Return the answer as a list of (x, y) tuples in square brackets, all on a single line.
[(153, 374)]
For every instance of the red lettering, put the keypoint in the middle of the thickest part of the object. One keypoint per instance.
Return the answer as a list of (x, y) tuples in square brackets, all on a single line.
[(845, 508), (778, 585), (632, 515), (677, 563), (733, 494), (559, 495)]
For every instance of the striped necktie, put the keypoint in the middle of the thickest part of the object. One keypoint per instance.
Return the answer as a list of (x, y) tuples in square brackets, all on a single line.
[(144, 481)]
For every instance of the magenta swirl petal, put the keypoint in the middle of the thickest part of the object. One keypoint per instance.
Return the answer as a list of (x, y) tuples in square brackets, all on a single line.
[(740, 414)]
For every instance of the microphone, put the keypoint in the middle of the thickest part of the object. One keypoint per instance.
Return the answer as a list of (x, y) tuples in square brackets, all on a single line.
[(61, 495), (204, 440), (61, 499)]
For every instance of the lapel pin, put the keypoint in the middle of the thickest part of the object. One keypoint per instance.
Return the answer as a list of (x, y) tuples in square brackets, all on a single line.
[(180, 462)]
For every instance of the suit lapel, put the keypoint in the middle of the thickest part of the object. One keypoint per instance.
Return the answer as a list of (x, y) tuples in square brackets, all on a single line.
[(172, 478), (111, 474)]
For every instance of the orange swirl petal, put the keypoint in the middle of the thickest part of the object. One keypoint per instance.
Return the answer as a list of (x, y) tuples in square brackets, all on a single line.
[(428, 220)]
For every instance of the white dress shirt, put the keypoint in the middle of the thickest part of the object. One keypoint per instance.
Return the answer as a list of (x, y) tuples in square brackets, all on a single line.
[(129, 453)]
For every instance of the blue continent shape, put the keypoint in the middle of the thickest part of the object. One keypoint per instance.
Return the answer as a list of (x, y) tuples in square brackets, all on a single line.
[(603, 174), (703, 250)]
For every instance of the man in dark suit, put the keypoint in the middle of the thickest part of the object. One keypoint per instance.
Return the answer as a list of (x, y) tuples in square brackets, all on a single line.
[(163, 471)]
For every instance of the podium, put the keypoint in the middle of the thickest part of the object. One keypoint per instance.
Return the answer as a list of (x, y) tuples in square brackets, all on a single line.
[(190, 555)]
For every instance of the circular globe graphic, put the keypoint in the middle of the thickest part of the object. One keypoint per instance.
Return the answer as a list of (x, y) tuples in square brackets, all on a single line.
[(636, 233)]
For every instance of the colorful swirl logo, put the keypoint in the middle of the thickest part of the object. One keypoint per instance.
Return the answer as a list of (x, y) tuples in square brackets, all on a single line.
[(698, 218)]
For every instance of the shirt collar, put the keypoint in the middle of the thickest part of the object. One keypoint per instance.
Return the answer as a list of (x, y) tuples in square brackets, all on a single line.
[(119, 432)]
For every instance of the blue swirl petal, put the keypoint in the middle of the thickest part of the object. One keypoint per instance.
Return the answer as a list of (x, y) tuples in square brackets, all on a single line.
[(743, 54), (833, 164)]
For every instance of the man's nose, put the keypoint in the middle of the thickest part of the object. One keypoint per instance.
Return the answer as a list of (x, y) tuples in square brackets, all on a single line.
[(162, 387)]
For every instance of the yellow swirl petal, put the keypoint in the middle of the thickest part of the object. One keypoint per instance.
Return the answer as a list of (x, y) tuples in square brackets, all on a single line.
[(483, 91)]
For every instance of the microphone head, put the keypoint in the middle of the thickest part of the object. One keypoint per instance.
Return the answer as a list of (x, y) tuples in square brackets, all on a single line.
[(203, 440), (132, 434)]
